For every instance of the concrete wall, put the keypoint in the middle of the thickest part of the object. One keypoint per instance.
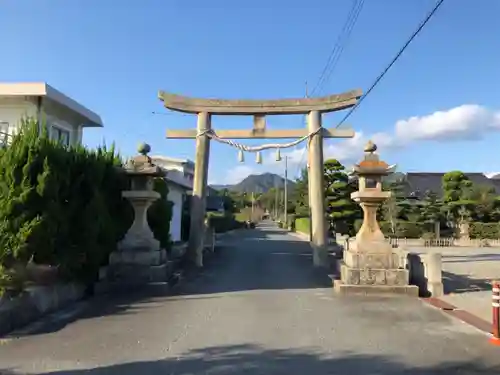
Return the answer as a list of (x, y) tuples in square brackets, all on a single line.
[(175, 195), (36, 302), (12, 110)]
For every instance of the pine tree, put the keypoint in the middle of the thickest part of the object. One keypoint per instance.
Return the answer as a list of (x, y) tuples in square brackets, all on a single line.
[(456, 196), (341, 209), (431, 209)]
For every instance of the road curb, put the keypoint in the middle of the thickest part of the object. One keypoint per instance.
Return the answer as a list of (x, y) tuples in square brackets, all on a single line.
[(457, 313)]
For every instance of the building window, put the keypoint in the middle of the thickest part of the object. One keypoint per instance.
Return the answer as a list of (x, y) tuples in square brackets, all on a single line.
[(4, 127), (60, 135), (4, 132)]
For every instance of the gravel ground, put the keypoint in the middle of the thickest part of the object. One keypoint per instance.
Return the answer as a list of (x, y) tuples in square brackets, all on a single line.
[(259, 307)]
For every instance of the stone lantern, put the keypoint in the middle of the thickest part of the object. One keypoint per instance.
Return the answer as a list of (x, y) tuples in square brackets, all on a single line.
[(139, 258), (141, 195), (370, 264)]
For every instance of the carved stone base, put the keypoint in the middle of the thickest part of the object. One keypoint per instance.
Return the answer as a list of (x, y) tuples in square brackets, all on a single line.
[(344, 289), (375, 272), (373, 276), (134, 242), (385, 260), (146, 258), (129, 269), (138, 273)]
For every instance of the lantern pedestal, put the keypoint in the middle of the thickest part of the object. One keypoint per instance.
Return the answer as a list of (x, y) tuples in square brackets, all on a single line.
[(370, 265), (139, 259)]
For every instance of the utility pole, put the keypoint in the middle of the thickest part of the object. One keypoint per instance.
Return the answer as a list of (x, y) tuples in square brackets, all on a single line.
[(286, 190), (251, 218), (276, 204)]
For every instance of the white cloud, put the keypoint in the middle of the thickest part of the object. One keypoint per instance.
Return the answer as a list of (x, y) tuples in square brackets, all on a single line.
[(468, 121), (465, 122), (235, 175)]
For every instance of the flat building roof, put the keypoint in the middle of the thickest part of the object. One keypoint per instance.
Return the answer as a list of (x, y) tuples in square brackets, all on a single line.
[(42, 89)]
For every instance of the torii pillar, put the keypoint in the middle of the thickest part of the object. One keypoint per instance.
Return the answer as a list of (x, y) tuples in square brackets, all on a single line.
[(312, 107)]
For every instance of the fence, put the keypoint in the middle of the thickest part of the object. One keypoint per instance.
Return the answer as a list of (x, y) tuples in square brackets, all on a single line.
[(440, 242), (443, 242)]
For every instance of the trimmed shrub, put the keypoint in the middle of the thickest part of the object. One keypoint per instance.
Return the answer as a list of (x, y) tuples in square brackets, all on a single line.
[(160, 215), (302, 225), (62, 206), (484, 230), (404, 229), (223, 222), (358, 223)]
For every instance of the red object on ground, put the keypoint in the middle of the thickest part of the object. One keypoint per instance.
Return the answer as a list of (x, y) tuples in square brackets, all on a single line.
[(495, 303)]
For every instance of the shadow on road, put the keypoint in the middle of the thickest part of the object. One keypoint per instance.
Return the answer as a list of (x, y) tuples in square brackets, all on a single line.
[(260, 259), (251, 359), (454, 283), (457, 283), (483, 257)]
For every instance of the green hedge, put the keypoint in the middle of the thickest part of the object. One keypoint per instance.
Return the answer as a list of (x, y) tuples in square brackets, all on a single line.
[(302, 225), (223, 222), (404, 229), (357, 225), (160, 215), (484, 230), (62, 206)]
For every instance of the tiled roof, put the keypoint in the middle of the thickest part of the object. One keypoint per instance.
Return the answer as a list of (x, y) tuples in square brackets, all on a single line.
[(422, 181)]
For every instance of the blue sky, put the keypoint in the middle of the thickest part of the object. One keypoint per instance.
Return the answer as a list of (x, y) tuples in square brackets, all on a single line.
[(113, 57)]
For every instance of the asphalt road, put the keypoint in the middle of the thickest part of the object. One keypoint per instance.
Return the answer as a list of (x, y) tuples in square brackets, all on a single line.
[(258, 308)]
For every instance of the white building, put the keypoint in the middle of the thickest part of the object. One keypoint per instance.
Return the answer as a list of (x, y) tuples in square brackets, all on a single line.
[(180, 174), (65, 118)]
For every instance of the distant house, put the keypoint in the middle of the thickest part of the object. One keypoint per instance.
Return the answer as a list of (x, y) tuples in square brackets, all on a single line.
[(64, 117), (179, 177), (215, 203)]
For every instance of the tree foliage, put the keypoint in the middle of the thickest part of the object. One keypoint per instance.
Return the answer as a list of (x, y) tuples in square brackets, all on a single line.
[(397, 207), (62, 205), (300, 195), (431, 208), (341, 210), (160, 214), (457, 194)]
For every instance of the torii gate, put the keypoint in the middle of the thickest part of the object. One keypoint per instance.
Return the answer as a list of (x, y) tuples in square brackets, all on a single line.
[(313, 107)]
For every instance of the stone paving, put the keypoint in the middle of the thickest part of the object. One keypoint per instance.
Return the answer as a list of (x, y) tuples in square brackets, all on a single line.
[(258, 307)]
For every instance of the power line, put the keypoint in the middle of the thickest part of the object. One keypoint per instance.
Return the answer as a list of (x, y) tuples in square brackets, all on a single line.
[(333, 59), (168, 113), (379, 78), (307, 144), (340, 44)]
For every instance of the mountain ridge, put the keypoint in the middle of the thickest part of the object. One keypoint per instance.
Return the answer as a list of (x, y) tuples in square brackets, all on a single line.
[(257, 183)]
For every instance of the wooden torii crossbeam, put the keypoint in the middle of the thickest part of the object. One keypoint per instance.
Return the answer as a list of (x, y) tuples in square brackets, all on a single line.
[(259, 109)]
